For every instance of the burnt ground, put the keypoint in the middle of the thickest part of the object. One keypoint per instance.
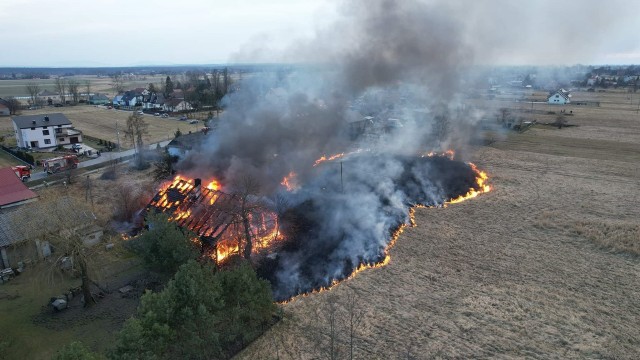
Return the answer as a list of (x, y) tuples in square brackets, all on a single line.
[(545, 266)]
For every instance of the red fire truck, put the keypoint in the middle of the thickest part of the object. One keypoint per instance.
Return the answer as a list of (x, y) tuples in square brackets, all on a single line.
[(23, 172), (61, 163)]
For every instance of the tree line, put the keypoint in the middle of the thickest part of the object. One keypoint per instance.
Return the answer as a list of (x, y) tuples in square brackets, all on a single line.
[(203, 312)]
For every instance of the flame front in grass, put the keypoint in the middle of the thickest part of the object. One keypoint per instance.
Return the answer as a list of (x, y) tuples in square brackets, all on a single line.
[(450, 154), (480, 188)]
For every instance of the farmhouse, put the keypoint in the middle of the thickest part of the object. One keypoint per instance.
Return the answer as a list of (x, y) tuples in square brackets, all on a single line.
[(154, 101), (99, 99), (45, 131), (25, 230), (48, 96), (176, 105), (133, 97), (559, 97)]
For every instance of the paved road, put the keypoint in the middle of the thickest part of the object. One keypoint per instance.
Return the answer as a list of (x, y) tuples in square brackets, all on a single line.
[(103, 158)]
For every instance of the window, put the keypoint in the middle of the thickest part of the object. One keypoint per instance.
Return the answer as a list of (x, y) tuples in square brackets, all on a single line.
[(59, 126), (47, 141), (33, 128), (58, 131), (45, 132)]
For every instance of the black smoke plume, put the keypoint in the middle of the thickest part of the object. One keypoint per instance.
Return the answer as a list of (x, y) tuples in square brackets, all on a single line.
[(391, 68)]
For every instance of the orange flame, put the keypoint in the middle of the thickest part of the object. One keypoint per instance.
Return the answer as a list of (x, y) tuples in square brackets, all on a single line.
[(213, 185), (290, 182), (482, 187), (449, 154), (481, 183), (324, 158)]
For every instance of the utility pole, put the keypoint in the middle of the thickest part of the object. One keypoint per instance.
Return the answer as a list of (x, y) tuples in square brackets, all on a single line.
[(341, 182)]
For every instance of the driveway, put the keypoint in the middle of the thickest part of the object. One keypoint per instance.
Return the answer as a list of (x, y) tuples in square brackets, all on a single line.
[(105, 158)]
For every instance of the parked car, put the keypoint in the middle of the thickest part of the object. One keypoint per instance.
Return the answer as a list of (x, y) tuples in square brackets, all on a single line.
[(193, 121), (183, 118), (58, 105), (164, 116), (156, 114), (140, 112)]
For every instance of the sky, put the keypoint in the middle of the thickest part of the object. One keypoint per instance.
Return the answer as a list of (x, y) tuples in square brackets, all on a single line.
[(142, 32)]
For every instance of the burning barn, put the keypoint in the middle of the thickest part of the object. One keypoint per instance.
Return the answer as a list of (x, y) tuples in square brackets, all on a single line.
[(222, 222), (341, 220)]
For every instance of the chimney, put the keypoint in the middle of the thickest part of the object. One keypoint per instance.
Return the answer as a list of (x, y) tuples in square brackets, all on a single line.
[(197, 189), (46, 118), (33, 122)]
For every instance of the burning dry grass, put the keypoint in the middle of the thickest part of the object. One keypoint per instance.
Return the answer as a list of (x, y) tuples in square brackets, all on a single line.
[(541, 267)]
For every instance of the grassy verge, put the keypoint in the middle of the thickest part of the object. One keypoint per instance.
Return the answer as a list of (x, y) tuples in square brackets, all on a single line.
[(23, 298)]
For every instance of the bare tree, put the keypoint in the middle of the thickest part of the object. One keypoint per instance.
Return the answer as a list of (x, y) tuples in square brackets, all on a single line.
[(13, 104), (560, 121), (136, 129), (246, 191), (118, 83), (73, 90), (441, 127), (61, 88), (61, 220), (505, 115), (87, 89), (354, 318), (33, 89)]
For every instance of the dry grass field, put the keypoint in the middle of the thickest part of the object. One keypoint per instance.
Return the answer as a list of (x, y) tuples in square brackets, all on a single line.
[(546, 266), (100, 122), (17, 88)]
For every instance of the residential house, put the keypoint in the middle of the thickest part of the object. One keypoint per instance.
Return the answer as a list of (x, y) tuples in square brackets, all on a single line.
[(559, 97), (49, 97), (13, 191), (99, 99), (117, 100), (155, 101), (25, 231), (183, 144), (45, 131), (176, 105), (131, 98)]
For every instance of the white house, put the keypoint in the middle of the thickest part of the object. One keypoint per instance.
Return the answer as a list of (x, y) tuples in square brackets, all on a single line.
[(45, 131), (559, 97), (176, 105)]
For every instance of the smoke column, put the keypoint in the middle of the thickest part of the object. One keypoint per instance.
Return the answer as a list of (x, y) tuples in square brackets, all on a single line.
[(380, 58)]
